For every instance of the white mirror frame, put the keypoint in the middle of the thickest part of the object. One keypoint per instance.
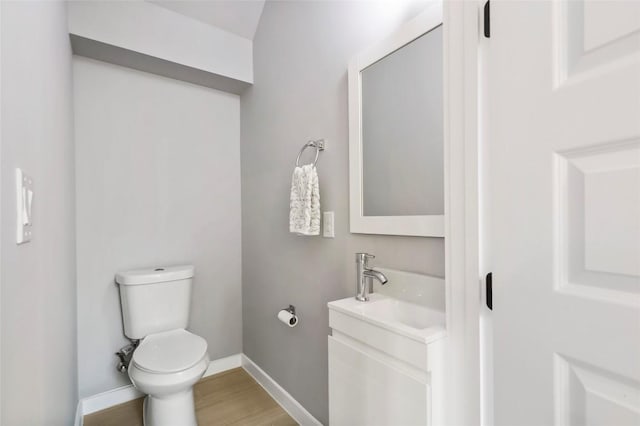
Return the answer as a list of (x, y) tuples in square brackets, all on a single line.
[(422, 226)]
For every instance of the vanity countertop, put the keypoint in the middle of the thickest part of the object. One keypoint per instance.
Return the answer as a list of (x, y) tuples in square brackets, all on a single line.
[(413, 321)]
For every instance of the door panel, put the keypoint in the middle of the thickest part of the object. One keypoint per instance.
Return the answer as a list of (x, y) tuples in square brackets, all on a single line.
[(563, 140)]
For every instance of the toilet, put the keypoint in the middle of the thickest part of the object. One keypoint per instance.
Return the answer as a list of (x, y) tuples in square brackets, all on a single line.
[(169, 360)]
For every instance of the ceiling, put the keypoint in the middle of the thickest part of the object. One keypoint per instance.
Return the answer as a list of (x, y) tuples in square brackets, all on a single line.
[(239, 17)]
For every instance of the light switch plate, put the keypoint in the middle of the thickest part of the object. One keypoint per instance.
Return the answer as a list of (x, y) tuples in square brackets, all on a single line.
[(328, 225), (24, 203)]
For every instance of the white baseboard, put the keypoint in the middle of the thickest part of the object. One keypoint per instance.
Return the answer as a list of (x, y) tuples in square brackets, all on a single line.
[(79, 420), (277, 392), (107, 399), (223, 364), (127, 393)]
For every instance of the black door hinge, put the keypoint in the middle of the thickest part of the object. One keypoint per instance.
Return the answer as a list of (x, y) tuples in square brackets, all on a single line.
[(487, 19), (489, 287)]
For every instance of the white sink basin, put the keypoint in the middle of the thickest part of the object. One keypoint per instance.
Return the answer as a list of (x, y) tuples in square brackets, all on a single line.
[(413, 321), (398, 311)]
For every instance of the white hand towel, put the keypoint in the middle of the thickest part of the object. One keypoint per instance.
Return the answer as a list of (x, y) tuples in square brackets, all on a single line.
[(304, 213)]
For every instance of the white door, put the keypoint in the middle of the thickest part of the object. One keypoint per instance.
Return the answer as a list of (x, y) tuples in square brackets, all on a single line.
[(563, 143)]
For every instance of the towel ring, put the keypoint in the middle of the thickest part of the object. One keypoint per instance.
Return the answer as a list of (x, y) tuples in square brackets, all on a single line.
[(318, 145)]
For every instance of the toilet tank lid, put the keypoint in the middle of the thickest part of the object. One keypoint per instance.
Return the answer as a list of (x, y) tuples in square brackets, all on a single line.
[(155, 275)]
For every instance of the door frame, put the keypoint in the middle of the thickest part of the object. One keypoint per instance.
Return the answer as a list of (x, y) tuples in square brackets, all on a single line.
[(0, 215), (463, 297)]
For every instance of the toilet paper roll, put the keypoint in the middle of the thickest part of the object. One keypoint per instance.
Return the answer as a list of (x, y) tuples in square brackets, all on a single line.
[(288, 318)]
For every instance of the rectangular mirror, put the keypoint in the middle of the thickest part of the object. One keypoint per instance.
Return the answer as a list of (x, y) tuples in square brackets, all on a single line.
[(396, 135)]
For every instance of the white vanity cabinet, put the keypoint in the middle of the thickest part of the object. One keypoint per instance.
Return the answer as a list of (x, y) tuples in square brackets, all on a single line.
[(384, 363), (368, 390)]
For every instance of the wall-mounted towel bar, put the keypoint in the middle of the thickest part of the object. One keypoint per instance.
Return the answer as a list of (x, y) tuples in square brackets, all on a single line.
[(317, 144)]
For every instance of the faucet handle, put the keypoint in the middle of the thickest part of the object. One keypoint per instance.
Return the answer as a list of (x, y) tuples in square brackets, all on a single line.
[(363, 257)]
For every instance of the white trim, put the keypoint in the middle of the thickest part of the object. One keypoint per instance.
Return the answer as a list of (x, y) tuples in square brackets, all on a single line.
[(79, 420), (223, 364), (462, 354), (419, 225), (107, 399), (279, 394)]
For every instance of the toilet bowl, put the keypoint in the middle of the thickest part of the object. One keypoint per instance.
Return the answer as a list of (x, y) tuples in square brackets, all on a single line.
[(169, 359), (165, 366)]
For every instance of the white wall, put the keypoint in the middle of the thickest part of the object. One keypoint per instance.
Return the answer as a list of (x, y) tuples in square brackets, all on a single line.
[(39, 385), (155, 31), (158, 182), (147, 37)]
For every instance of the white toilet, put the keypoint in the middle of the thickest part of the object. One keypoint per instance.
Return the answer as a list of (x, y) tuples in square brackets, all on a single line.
[(169, 359)]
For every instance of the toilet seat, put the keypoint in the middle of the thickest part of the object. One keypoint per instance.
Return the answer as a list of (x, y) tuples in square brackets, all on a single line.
[(169, 352)]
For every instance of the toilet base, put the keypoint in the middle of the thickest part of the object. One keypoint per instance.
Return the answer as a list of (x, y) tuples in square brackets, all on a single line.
[(176, 409)]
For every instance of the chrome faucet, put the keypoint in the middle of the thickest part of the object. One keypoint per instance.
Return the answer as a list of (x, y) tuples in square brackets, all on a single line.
[(365, 276)]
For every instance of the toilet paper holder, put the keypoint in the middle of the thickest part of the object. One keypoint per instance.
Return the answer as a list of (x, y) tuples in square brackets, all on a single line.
[(291, 309), (288, 316)]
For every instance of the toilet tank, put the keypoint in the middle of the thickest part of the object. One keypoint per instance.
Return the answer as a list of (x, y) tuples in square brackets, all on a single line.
[(155, 300)]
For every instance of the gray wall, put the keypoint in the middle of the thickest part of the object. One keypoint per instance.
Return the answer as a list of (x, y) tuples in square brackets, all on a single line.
[(158, 182), (38, 382), (301, 52)]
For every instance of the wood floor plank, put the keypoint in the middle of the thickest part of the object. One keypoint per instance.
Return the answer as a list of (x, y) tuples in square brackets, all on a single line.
[(230, 398), (127, 414), (223, 386)]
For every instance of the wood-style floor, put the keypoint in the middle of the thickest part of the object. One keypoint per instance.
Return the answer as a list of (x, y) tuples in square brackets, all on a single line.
[(229, 398)]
